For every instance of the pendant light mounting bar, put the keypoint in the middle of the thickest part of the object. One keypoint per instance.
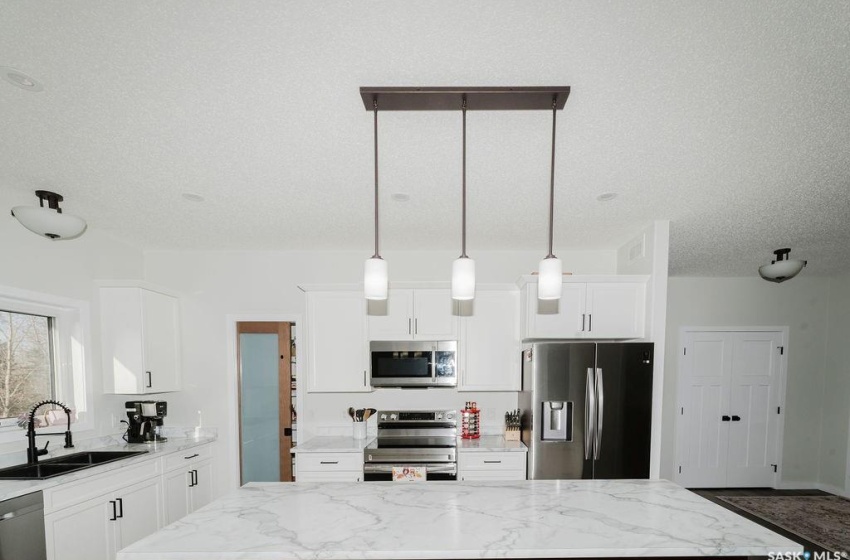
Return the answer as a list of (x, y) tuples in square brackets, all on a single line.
[(463, 226), (377, 254), (477, 98), (552, 180)]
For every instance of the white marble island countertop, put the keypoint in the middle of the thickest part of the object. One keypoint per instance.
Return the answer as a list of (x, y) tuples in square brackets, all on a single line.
[(527, 519)]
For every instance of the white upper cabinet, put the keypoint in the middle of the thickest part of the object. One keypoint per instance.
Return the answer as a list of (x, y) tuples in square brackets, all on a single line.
[(593, 310), (140, 332), (421, 314), (336, 342), (490, 344)]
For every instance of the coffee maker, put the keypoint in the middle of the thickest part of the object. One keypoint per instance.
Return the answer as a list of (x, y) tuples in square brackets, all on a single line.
[(145, 420)]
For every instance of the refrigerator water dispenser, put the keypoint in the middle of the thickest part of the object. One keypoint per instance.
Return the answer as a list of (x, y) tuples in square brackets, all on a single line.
[(557, 421)]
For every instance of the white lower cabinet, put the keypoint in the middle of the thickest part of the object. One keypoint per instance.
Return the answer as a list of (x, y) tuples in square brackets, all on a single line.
[(329, 467), (95, 517), (491, 465), (97, 528), (187, 482)]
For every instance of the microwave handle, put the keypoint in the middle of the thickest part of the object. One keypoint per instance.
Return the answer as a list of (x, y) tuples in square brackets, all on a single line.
[(434, 363)]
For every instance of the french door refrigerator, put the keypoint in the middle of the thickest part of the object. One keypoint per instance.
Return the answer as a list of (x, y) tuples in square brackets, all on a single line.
[(587, 409)]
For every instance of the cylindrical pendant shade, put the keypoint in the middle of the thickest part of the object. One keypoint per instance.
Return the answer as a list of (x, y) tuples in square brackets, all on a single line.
[(463, 278), (375, 279), (550, 279)]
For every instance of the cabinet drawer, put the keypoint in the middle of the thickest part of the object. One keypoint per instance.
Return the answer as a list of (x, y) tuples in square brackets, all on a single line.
[(496, 461), (186, 457), (97, 485), (492, 475), (327, 462)]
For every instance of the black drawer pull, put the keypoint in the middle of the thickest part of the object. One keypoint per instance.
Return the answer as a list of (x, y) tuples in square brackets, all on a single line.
[(328, 462), (492, 462), (114, 511), (736, 418), (192, 456), (120, 507), (725, 418)]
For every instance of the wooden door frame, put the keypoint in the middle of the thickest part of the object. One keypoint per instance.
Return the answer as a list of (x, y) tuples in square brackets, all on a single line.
[(231, 320), (678, 427)]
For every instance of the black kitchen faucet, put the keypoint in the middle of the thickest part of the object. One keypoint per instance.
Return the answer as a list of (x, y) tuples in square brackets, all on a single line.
[(33, 452)]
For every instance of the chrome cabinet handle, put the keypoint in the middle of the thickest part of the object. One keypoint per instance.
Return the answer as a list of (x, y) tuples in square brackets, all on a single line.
[(582, 321), (600, 396), (589, 413), (409, 329), (416, 326), (492, 462), (589, 322)]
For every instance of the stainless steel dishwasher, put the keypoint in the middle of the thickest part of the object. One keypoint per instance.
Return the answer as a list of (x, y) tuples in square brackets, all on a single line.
[(22, 528)]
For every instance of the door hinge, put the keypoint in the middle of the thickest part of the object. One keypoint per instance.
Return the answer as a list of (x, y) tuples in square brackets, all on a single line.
[(680, 469), (781, 350), (775, 467)]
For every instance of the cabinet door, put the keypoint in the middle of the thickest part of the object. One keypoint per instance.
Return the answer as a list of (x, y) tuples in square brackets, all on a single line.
[(490, 345), (201, 493), (121, 340), (564, 318), (139, 511), (615, 310), (86, 531), (177, 504), (434, 315), (336, 342), (392, 319), (161, 332)]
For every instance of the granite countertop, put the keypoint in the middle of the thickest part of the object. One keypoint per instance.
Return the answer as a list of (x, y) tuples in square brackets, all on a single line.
[(524, 519), (490, 443), (333, 444), (13, 488)]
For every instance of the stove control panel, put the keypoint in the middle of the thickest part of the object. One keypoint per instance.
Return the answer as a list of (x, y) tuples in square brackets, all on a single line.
[(423, 416)]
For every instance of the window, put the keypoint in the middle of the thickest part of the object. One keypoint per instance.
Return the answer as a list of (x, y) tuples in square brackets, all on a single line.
[(43, 343), (26, 362)]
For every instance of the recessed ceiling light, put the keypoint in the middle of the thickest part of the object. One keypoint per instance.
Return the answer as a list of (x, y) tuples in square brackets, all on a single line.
[(605, 197), (400, 197), (192, 197), (19, 79)]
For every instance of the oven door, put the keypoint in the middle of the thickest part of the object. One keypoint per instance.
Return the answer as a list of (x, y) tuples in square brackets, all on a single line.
[(383, 472)]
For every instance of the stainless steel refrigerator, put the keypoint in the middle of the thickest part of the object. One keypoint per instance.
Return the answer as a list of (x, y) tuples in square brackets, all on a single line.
[(587, 409)]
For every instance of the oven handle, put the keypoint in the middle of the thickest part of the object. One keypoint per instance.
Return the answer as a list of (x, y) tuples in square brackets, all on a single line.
[(450, 468)]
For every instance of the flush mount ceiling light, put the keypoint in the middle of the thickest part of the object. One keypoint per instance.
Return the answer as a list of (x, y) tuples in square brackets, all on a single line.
[(49, 222), (375, 277), (19, 79), (463, 269), (472, 99), (782, 268)]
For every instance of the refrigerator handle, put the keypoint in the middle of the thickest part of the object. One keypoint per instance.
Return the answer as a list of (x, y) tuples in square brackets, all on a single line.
[(589, 414), (600, 399)]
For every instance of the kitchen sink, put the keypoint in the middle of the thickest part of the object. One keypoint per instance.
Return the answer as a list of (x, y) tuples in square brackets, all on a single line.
[(49, 468), (91, 457)]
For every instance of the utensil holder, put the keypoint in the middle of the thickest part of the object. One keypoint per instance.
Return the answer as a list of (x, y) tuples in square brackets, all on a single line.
[(359, 430)]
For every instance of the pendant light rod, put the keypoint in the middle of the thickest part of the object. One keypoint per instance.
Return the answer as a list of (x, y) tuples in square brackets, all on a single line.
[(552, 179), (463, 233), (377, 254)]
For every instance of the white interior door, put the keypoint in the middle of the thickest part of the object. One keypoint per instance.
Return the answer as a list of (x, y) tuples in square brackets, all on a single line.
[(754, 408), (704, 401), (729, 408)]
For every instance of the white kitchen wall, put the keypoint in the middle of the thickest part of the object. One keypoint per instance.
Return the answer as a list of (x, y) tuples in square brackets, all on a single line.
[(215, 285), (68, 269), (802, 304), (835, 403)]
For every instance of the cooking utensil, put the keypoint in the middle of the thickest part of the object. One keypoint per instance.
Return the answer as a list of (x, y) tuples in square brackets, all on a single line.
[(351, 413), (368, 413)]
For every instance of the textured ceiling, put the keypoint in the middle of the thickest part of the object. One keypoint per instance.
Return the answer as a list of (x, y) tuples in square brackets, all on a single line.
[(731, 119)]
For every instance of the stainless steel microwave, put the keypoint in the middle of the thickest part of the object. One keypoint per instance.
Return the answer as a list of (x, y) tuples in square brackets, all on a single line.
[(414, 363)]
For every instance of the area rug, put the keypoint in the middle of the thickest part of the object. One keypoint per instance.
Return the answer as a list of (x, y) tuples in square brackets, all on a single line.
[(823, 520)]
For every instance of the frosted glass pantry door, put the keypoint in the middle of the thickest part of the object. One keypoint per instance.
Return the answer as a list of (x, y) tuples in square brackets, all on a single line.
[(259, 407)]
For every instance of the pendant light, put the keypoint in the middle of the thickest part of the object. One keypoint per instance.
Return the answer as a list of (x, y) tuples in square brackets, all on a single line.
[(550, 269), (375, 278), (463, 268)]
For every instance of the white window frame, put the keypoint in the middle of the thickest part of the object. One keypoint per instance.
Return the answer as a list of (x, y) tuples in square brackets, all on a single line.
[(72, 368)]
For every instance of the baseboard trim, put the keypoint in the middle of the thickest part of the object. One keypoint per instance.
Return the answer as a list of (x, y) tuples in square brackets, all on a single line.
[(834, 490), (838, 491)]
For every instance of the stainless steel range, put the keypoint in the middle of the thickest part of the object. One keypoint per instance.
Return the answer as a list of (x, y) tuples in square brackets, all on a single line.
[(413, 438)]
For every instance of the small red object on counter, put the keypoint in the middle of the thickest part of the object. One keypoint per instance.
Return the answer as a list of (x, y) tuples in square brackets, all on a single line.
[(470, 421)]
